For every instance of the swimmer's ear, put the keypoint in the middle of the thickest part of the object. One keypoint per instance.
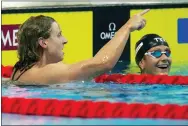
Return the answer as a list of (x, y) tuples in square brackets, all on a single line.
[(142, 64), (42, 42)]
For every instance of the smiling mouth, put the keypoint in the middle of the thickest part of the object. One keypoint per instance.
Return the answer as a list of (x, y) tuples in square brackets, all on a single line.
[(163, 66)]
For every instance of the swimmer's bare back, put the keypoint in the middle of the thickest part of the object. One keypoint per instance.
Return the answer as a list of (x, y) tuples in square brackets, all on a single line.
[(103, 61)]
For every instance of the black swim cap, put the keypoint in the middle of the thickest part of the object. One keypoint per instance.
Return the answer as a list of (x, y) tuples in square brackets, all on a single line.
[(147, 42)]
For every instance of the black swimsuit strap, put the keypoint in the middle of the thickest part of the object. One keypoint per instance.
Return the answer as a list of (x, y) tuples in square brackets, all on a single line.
[(14, 72), (22, 72)]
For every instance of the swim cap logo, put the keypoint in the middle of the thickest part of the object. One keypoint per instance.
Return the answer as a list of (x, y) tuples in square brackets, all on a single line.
[(158, 39), (138, 48)]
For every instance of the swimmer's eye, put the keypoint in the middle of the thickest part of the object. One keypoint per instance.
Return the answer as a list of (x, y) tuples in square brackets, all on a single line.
[(59, 34)]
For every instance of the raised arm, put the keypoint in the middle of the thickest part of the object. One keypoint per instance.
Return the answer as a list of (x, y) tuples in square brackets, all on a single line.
[(105, 59)]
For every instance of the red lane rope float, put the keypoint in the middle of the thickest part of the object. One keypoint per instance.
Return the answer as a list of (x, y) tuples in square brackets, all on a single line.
[(140, 79), (91, 109), (123, 79)]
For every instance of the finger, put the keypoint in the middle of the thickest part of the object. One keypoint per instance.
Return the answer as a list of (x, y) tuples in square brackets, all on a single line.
[(144, 12), (144, 22), (142, 25)]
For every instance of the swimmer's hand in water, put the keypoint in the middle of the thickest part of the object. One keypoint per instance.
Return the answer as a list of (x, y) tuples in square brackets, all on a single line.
[(137, 22)]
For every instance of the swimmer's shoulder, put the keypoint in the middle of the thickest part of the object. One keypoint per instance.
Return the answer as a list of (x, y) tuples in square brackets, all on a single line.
[(41, 75), (54, 67), (51, 73)]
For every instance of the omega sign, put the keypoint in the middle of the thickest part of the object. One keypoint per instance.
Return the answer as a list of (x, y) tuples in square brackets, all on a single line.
[(110, 34), (8, 37)]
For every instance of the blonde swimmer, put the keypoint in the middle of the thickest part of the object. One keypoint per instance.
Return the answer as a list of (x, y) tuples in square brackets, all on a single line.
[(40, 45)]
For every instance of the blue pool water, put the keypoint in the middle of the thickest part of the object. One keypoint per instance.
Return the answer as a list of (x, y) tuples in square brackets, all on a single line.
[(88, 90)]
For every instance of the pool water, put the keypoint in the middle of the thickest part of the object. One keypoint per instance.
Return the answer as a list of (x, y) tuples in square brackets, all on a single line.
[(89, 90), (162, 94)]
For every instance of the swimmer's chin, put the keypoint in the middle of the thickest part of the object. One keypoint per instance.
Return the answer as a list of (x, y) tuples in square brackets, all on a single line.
[(162, 74)]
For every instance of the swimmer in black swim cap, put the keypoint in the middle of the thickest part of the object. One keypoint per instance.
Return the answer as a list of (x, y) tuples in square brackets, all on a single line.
[(153, 55)]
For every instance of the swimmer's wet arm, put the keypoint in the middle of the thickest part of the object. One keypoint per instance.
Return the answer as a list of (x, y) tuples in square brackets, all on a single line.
[(79, 71), (102, 62), (105, 59), (111, 52)]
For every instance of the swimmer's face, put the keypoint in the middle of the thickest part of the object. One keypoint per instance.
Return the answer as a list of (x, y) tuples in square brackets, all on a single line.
[(55, 43), (156, 66)]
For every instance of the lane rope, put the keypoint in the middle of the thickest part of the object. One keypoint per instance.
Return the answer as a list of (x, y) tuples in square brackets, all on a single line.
[(142, 79), (91, 109)]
